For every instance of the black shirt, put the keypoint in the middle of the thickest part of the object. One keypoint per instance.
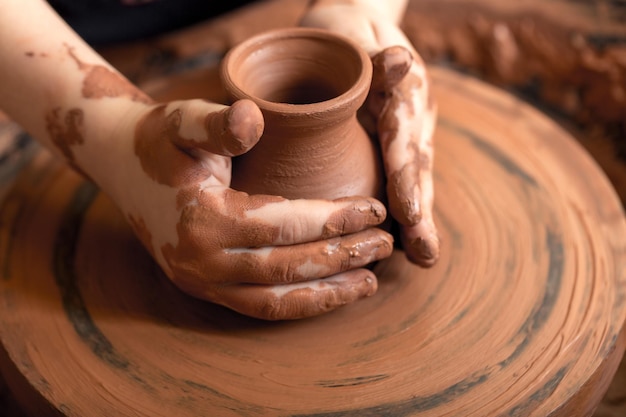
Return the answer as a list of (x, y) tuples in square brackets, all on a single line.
[(110, 21)]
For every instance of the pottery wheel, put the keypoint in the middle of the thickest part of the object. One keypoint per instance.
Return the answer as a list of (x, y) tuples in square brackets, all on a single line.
[(522, 315)]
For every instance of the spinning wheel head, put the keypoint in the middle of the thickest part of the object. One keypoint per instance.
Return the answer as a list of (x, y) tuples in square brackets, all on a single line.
[(521, 316)]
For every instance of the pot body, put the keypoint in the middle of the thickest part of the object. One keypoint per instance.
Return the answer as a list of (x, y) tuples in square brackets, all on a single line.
[(309, 84)]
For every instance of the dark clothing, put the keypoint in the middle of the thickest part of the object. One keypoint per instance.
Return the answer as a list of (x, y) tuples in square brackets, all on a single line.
[(110, 21)]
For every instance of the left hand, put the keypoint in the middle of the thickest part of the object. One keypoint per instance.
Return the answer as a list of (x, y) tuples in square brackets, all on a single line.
[(403, 111)]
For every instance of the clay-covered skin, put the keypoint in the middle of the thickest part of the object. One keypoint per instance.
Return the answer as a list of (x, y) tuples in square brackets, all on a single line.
[(403, 111), (167, 166), (65, 130), (253, 254), (264, 256), (101, 81)]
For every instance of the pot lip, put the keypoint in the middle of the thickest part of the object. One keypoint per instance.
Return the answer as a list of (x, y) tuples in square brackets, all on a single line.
[(354, 96)]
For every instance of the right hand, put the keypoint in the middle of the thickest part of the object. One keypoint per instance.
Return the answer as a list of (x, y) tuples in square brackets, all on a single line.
[(264, 256)]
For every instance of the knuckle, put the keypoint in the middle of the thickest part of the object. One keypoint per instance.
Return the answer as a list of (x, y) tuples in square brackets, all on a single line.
[(286, 272), (272, 309), (292, 229)]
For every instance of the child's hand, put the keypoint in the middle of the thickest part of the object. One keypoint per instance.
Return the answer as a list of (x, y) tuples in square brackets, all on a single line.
[(403, 112), (261, 255)]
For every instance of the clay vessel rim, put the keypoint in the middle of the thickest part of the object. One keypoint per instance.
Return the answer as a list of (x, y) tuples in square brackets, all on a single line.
[(353, 96)]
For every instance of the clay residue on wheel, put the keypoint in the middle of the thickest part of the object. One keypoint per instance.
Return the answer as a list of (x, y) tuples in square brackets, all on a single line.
[(562, 57)]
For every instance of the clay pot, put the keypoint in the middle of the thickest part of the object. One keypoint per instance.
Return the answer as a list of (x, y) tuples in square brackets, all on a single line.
[(309, 84)]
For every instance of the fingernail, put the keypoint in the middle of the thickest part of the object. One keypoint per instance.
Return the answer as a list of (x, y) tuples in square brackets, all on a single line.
[(372, 286), (390, 67), (425, 251)]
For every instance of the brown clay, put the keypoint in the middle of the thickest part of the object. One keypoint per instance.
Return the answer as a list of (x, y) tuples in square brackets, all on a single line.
[(65, 130), (101, 82), (309, 85)]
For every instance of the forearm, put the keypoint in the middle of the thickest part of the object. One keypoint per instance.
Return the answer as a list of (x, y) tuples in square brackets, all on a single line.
[(60, 90), (392, 10)]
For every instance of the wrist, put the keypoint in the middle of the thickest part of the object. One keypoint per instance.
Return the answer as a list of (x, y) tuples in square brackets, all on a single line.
[(107, 149)]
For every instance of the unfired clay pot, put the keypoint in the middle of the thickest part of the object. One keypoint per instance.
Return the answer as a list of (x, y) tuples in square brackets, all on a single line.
[(309, 84)]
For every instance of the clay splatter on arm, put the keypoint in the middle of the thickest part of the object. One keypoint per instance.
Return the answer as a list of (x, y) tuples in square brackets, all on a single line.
[(65, 129), (100, 81), (50, 73), (71, 121)]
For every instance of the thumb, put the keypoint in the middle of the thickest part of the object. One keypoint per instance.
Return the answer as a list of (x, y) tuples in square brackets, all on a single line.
[(216, 128), (390, 66)]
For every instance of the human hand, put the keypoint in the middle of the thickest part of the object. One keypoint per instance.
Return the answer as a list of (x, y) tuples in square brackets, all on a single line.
[(403, 113), (167, 167), (264, 256)]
